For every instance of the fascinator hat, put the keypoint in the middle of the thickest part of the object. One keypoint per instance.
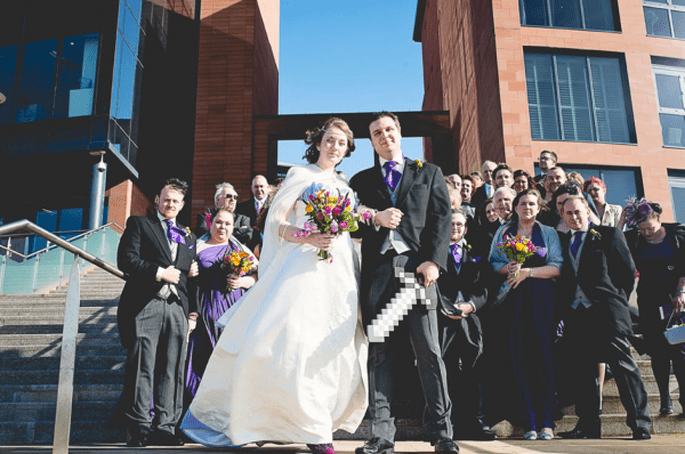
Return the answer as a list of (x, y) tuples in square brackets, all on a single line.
[(639, 210)]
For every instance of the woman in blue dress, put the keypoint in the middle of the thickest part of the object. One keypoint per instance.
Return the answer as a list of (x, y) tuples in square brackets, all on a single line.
[(217, 292), (527, 313)]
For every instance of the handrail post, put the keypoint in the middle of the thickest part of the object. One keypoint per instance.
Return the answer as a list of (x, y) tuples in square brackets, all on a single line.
[(67, 363), (35, 274), (2, 273)]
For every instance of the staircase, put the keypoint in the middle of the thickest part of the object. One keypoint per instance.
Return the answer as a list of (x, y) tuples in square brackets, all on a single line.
[(30, 340)]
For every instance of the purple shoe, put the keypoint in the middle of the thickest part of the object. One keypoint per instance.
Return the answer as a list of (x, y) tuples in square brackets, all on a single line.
[(326, 448)]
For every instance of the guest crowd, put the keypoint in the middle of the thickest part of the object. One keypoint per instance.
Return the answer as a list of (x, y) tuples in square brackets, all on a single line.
[(517, 339)]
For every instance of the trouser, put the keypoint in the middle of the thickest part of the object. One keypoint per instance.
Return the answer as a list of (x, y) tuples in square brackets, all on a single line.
[(154, 367), (595, 343), (422, 325)]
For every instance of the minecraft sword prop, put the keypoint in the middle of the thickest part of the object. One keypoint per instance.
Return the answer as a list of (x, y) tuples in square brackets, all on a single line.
[(411, 293)]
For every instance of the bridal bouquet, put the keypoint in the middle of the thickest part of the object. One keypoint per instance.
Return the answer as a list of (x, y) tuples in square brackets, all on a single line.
[(518, 249), (328, 212), (236, 263)]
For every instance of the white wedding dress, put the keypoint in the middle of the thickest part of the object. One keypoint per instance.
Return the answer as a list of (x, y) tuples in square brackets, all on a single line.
[(290, 365)]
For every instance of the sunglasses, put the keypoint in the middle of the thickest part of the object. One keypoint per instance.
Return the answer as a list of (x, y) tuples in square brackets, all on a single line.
[(231, 197)]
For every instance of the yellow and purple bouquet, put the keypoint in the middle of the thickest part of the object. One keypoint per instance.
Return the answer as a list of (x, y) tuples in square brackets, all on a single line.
[(518, 248), (328, 213), (236, 263)]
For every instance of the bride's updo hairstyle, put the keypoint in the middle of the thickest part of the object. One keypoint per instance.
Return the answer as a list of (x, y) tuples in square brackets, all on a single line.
[(314, 137)]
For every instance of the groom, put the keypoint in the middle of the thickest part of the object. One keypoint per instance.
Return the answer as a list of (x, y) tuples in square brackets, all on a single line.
[(410, 230)]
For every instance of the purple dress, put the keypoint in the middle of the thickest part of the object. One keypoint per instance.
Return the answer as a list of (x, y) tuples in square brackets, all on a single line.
[(213, 301)]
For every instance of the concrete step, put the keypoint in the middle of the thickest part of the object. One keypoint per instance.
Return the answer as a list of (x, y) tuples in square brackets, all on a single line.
[(88, 324), (612, 404), (48, 393), (17, 341), (45, 411), (47, 363), (610, 388), (42, 349), (18, 433), (46, 377)]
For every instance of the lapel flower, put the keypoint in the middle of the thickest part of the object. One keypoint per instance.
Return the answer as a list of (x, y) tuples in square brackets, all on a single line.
[(595, 234), (419, 163), (468, 246), (187, 229)]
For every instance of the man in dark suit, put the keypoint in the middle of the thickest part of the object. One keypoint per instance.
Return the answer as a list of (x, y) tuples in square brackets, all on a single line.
[(156, 254), (487, 190), (411, 230), (225, 197), (463, 291), (596, 282), (260, 192)]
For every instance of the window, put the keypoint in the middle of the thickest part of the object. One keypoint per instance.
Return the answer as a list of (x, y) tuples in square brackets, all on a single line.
[(76, 76), (665, 18), (8, 69), (670, 88), (622, 183), (34, 96), (578, 98), (583, 14), (676, 183)]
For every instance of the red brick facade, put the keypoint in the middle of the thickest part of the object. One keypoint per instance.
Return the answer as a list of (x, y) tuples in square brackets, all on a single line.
[(474, 67)]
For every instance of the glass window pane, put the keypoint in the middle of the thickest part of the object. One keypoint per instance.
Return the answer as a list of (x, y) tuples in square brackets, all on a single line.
[(76, 81), (533, 12), (673, 130), (8, 69), (126, 87), (609, 101), (678, 201), (599, 15), (566, 13), (574, 97), (677, 2), (131, 30), (116, 76), (135, 7), (542, 102), (70, 219), (48, 221), (669, 92), (656, 21), (34, 98), (678, 24), (620, 185)]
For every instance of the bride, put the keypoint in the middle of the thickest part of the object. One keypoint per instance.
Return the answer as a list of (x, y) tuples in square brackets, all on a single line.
[(290, 366)]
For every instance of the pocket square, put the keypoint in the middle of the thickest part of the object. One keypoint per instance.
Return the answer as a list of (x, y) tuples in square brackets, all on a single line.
[(476, 259)]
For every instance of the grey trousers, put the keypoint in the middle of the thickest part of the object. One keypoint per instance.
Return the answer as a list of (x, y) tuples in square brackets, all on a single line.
[(423, 332), (155, 366)]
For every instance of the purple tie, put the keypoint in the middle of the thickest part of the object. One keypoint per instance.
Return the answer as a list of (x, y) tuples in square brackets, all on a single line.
[(456, 254), (392, 176), (174, 233), (577, 238)]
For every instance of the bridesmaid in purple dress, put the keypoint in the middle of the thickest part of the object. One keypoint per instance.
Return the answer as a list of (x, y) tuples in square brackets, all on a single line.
[(216, 294)]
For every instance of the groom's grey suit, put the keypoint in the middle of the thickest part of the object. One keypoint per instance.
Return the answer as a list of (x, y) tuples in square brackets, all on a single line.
[(425, 227)]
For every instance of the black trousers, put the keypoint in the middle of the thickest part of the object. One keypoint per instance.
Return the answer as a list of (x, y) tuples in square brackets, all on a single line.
[(154, 368), (592, 342)]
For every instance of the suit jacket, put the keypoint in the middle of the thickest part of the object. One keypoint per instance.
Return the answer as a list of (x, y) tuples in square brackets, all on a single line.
[(465, 334), (606, 274), (425, 227), (242, 230), (248, 209), (143, 249), (479, 197)]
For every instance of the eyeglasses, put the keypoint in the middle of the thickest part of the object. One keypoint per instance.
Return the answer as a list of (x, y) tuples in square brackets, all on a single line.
[(231, 196)]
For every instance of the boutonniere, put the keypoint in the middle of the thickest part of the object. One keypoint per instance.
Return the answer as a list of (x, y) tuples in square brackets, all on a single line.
[(595, 234), (188, 232), (468, 246), (419, 163), (208, 219)]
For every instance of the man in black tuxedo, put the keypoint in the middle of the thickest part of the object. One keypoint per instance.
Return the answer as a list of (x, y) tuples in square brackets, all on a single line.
[(463, 291), (156, 254), (225, 197), (411, 230), (596, 282), (487, 190)]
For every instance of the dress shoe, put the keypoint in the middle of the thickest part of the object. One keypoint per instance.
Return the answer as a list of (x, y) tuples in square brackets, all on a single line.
[(136, 438), (641, 434), (667, 410), (376, 445), (577, 434), (445, 445), (163, 438)]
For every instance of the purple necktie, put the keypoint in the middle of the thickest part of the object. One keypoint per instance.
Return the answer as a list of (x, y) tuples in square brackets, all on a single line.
[(456, 254), (174, 233), (577, 238), (392, 176)]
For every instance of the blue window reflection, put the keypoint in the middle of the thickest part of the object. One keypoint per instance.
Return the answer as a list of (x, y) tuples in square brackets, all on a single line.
[(8, 69), (76, 80), (34, 97)]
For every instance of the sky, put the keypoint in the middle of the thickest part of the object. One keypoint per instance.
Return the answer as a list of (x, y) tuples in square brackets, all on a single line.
[(349, 56)]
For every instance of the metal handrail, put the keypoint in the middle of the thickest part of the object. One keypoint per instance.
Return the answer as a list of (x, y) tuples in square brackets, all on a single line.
[(54, 245), (57, 241)]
